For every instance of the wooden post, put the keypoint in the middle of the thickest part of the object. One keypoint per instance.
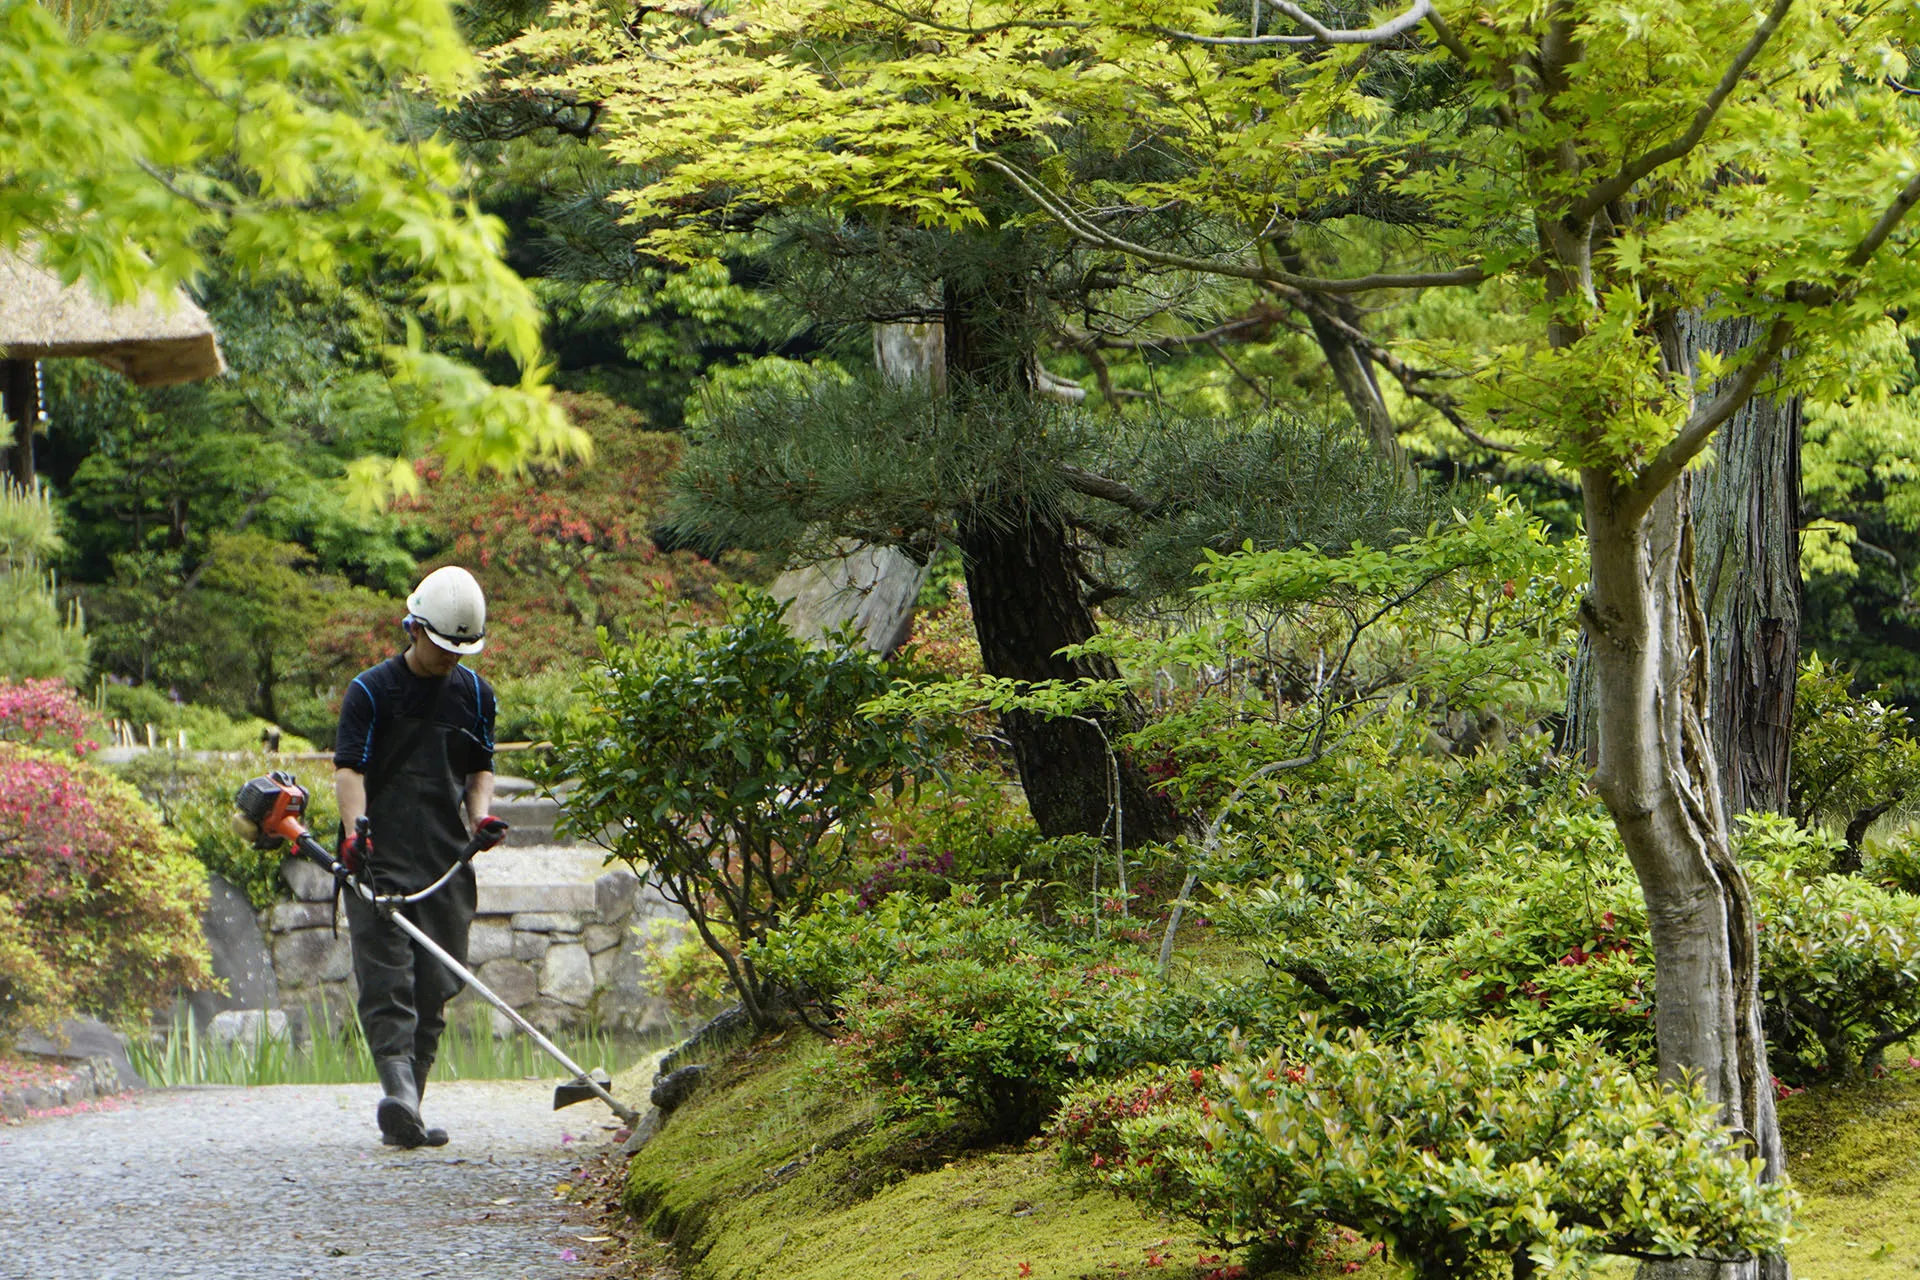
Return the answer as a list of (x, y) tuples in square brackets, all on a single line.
[(20, 392)]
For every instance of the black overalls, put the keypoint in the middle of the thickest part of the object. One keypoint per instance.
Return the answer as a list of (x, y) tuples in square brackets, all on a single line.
[(416, 753)]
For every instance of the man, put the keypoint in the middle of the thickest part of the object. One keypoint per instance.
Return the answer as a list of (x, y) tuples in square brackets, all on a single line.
[(415, 754)]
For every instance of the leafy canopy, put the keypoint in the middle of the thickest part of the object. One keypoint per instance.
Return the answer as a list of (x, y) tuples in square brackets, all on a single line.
[(132, 151), (1597, 141)]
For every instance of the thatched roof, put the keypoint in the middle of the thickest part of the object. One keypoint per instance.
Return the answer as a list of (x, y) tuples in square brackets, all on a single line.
[(154, 341)]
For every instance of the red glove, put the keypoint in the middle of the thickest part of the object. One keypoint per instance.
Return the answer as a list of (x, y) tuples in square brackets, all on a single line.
[(356, 851), (490, 832)]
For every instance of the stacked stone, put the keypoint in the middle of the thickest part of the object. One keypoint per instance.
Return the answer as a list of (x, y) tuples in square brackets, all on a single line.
[(545, 949), (559, 945), (72, 1087), (312, 964)]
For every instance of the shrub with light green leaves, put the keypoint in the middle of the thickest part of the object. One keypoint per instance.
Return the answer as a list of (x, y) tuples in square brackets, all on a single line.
[(1839, 956), (1467, 1156), (735, 766)]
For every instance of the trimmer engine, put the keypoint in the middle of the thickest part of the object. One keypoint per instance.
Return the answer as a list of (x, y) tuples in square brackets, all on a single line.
[(270, 810)]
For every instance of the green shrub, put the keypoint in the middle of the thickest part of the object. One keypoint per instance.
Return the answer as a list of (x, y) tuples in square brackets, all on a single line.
[(733, 764), (1839, 956), (681, 970), (1467, 1156), (207, 728), (529, 706), (957, 1003), (975, 1003), (99, 904), (1854, 757), (194, 797)]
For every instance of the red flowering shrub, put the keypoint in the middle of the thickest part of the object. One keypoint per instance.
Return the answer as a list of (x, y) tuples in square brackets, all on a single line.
[(46, 713), (564, 550), (99, 904)]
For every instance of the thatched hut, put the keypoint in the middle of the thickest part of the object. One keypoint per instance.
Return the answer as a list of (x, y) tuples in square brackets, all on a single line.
[(154, 341)]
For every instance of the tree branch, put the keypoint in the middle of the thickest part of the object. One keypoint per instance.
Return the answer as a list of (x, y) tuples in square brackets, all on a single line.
[(1633, 171), (1114, 491), (1056, 208), (1321, 34), (1883, 227)]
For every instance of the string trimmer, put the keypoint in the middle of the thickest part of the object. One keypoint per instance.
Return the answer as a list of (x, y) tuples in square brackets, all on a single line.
[(270, 813)]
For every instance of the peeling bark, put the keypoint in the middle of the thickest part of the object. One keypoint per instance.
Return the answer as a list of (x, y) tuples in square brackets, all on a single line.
[(1746, 512)]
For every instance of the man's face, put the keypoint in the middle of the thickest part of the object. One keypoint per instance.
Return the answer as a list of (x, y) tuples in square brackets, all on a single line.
[(429, 657)]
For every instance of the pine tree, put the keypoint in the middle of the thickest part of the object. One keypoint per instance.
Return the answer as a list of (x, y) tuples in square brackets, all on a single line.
[(37, 640)]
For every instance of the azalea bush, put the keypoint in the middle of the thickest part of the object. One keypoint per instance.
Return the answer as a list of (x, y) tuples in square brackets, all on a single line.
[(48, 714), (1468, 1156), (99, 903)]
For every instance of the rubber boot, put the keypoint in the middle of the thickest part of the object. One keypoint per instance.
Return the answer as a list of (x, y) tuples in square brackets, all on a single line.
[(435, 1137), (399, 1111)]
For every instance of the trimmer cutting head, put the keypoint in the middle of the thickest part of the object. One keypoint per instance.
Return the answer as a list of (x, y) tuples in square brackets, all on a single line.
[(578, 1090)]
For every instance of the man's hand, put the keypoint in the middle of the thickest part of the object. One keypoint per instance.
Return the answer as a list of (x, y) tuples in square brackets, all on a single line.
[(357, 851)]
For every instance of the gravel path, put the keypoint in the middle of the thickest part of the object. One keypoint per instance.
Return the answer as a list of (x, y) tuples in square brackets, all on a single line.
[(290, 1183)]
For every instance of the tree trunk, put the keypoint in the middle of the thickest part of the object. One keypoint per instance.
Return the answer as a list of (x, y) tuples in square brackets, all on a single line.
[(20, 396), (1023, 583), (1026, 601), (1747, 563), (1657, 774)]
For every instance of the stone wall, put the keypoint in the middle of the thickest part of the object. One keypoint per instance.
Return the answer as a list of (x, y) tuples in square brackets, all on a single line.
[(557, 936)]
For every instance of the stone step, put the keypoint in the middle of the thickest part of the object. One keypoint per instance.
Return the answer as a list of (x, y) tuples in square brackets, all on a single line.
[(530, 817)]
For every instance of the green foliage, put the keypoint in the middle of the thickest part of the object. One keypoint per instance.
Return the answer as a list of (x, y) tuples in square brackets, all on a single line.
[(1839, 958), (793, 459), (206, 728), (130, 167), (734, 764), (973, 1003), (194, 798), (1467, 1156), (959, 1003), (99, 904), (1401, 889), (37, 639), (1855, 757), (1294, 652), (682, 970)]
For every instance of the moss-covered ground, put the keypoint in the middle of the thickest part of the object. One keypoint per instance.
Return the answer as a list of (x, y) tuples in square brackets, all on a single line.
[(1855, 1155), (774, 1172)]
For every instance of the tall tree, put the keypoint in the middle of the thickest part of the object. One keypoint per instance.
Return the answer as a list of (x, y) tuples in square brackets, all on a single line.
[(1610, 198), (1746, 513)]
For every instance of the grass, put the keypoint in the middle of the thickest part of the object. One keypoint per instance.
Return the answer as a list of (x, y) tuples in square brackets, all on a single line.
[(469, 1050)]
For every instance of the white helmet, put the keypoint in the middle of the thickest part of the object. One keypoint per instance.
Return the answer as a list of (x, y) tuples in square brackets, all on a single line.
[(450, 607)]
